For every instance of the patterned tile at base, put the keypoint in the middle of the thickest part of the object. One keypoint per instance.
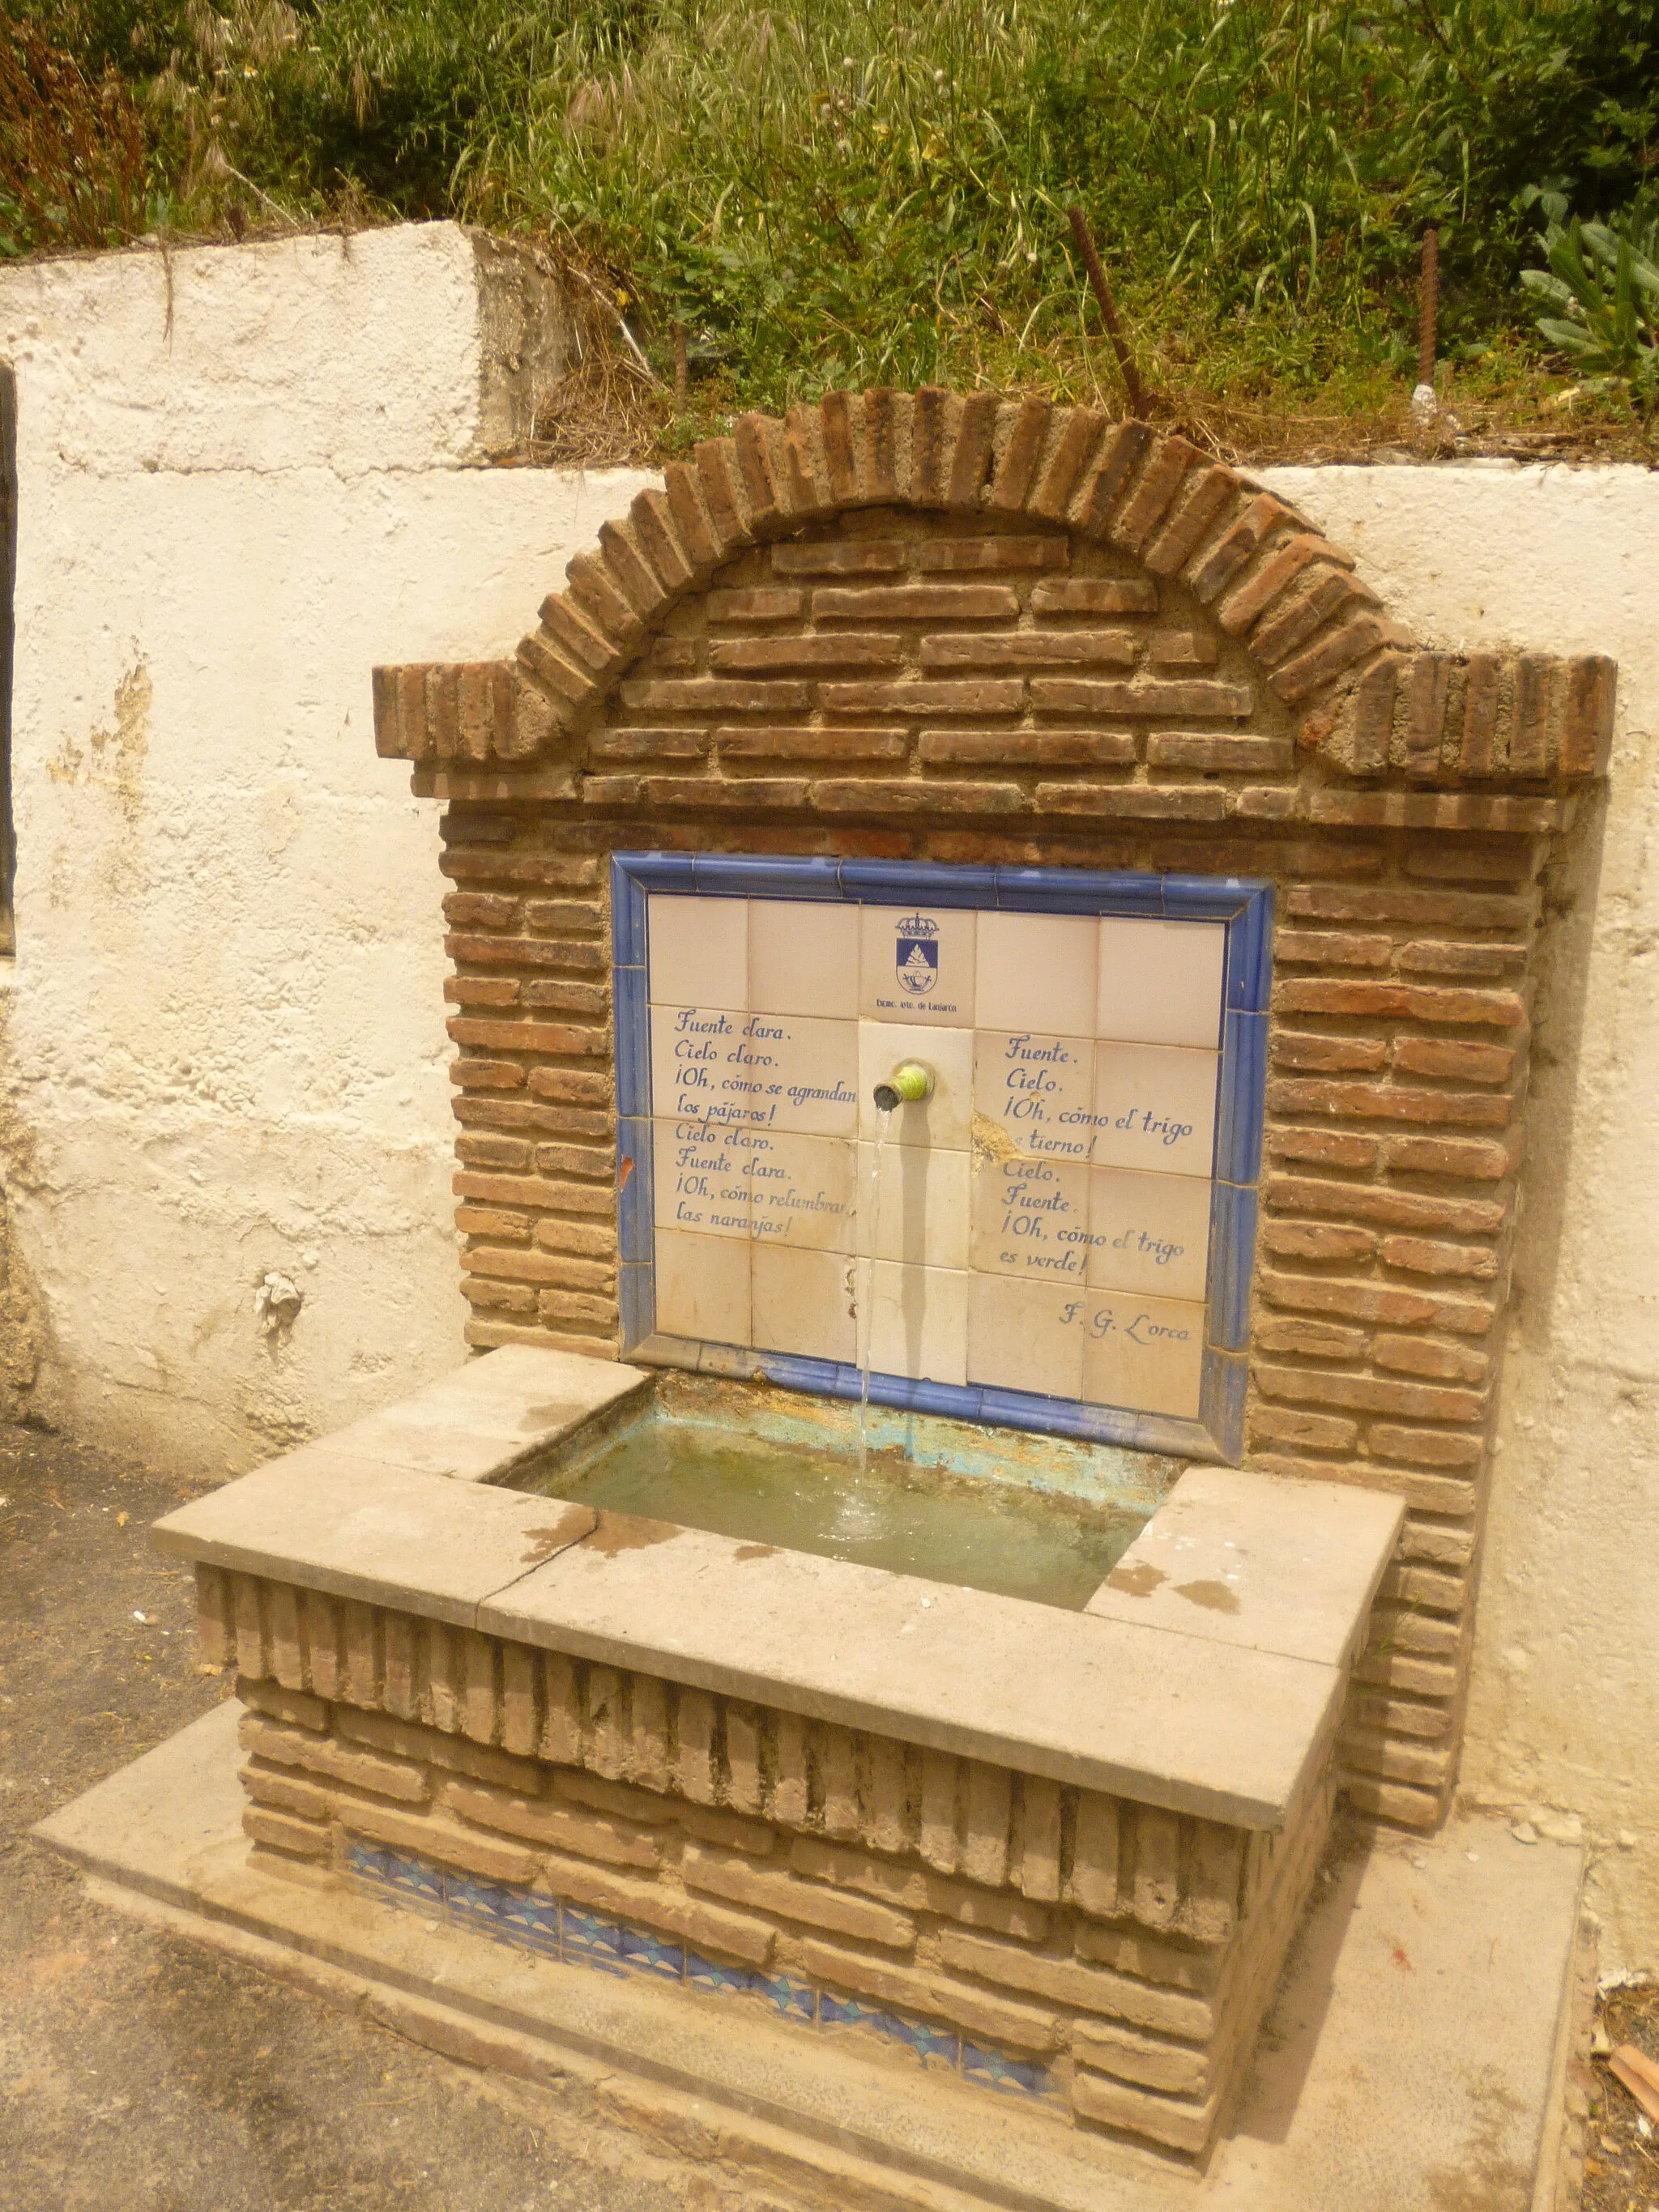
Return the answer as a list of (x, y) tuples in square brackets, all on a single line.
[(798, 1999), (709, 1974), (591, 1941), (651, 1954), (933, 2045), (530, 1923), (997, 2070), (410, 1877)]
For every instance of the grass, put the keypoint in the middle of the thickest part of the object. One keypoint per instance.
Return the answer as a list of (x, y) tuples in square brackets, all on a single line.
[(839, 191)]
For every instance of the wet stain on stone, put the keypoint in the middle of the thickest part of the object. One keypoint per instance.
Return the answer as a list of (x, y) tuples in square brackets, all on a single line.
[(1139, 1581), (544, 1416), (544, 1543), (629, 1532), (756, 1552), (1216, 1596)]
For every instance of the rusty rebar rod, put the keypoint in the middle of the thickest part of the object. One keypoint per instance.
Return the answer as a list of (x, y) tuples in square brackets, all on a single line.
[(1428, 311), (1102, 292)]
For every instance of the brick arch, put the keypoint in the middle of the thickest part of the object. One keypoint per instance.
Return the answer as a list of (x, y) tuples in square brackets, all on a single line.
[(1366, 702)]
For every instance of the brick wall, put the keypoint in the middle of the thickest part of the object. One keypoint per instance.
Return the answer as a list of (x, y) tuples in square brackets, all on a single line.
[(917, 627), (1112, 1958)]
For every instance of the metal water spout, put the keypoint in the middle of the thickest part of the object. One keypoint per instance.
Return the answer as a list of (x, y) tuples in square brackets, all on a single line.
[(910, 1082)]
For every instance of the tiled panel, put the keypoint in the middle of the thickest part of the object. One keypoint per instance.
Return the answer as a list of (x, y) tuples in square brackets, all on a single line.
[(702, 1286), (1024, 1336), (918, 1321), (1160, 981), (1037, 971), (700, 1178), (945, 1118), (1154, 1108), (803, 957), (1038, 1089), (917, 1209), (1030, 1220), (1147, 1353), (802, 1302), (1148, 1232), (916, 964), (802, 1190), (770, 1071), (699, 951)]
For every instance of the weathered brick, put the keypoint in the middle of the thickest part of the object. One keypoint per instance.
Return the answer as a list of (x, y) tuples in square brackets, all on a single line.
[(1422, 1447), (1096, 595), (1032, 648), (1000, 2022), (810, 743), (638, 1898), (1375, 1301), (776, 603), (1149, 498), (913, 700), (1330, 1146), (1334, 1055), (1368, 1394), (493, 1296), (1033, 748), (1441, 1155), (1101, 484), (1086, 1989), (841, 556), (1312, 1340), (1406, 903), (434, 1838), (1421, 1256), (1216, 756), (1143, 802), (763, 793), (933, 555), (1198, 505), (1332, 949), (481, 990), (537, 1821), (1410, 1002), (1424, 1355), (278, 1702), (1426, 1493), (340, 1762), (866, 795), (729, 1875), (1470, 1063), (917, 603), (1400, 1209), (1379, 1102), (1146, 2059), (1396, 1801), (285, 1793), (1200, 697), (557, 1039), (761, 656), (284, 1832), (1317, 1240), (1318, 1432), (1213, 568), (1193, 649), (1096, 1848)]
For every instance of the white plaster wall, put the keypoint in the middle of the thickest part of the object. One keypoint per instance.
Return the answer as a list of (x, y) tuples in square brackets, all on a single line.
[(1564, 1708), (244, 479)]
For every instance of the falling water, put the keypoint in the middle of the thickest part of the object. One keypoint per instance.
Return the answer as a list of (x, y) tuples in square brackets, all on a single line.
[(867, 1304)]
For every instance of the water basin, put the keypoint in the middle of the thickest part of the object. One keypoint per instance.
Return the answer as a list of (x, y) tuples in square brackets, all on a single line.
[(730, 1460)]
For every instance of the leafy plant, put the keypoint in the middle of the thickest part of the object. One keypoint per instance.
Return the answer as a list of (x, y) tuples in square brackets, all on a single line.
[(1602, 281)]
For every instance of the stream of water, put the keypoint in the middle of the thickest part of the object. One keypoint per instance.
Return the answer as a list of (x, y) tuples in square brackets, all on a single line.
[(867, 1302)]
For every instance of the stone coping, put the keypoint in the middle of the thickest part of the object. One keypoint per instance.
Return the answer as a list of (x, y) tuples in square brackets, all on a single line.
[(1203, 1706)]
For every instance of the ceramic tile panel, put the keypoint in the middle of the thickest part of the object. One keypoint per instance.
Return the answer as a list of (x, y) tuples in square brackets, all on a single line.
[(1148, 1232), (801, 1189), (916, 964), (1160, 981), (1037, 970), (1030, 1219), (763, 1071), (702, 1286), (1024, 1336), (1154, 1108), (1037, 1092), (918, 1320), (804, 958), (802, 1302), (699, 951), (942, 1121), (700, 1178), (914, 1204), (1141, 1352)]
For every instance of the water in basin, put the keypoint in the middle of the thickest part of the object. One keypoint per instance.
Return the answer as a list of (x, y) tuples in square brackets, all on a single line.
[(912, 1518)]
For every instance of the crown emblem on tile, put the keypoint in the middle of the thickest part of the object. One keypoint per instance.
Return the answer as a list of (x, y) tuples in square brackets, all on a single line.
[(915, 957)]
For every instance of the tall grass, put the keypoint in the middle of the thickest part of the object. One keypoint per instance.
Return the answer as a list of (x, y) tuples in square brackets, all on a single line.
[(861, 191)]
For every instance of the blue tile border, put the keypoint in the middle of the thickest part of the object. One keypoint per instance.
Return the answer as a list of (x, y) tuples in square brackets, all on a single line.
[(548, 1927), (1244, 905)]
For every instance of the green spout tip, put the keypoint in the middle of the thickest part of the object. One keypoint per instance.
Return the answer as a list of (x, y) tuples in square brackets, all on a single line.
[(913, 1081)]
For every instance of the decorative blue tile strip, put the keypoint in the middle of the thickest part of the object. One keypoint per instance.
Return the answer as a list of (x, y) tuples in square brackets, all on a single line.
[(548, 1929), (628, 895), (636, 1197), (1221, 1399), (1244, 905)]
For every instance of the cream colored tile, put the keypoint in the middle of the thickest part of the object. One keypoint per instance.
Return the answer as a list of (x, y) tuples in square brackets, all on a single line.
[(944, 1120), (702, 1287), (916, 964), (1149, 1232), (1037, 1091), (1030, 1219), (794, 1072), (1023, 1336), (699, 951), (804, 958), (919, 1212), (802, 1302), (802, 1188), (1036, 971), (701, 1175), (689, 1047), (918, 1320), (1154, 1108), (1160, 981), (1145, 1353)]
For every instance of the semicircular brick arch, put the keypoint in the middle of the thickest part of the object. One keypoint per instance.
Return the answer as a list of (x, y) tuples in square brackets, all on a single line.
[(1327, 662)]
